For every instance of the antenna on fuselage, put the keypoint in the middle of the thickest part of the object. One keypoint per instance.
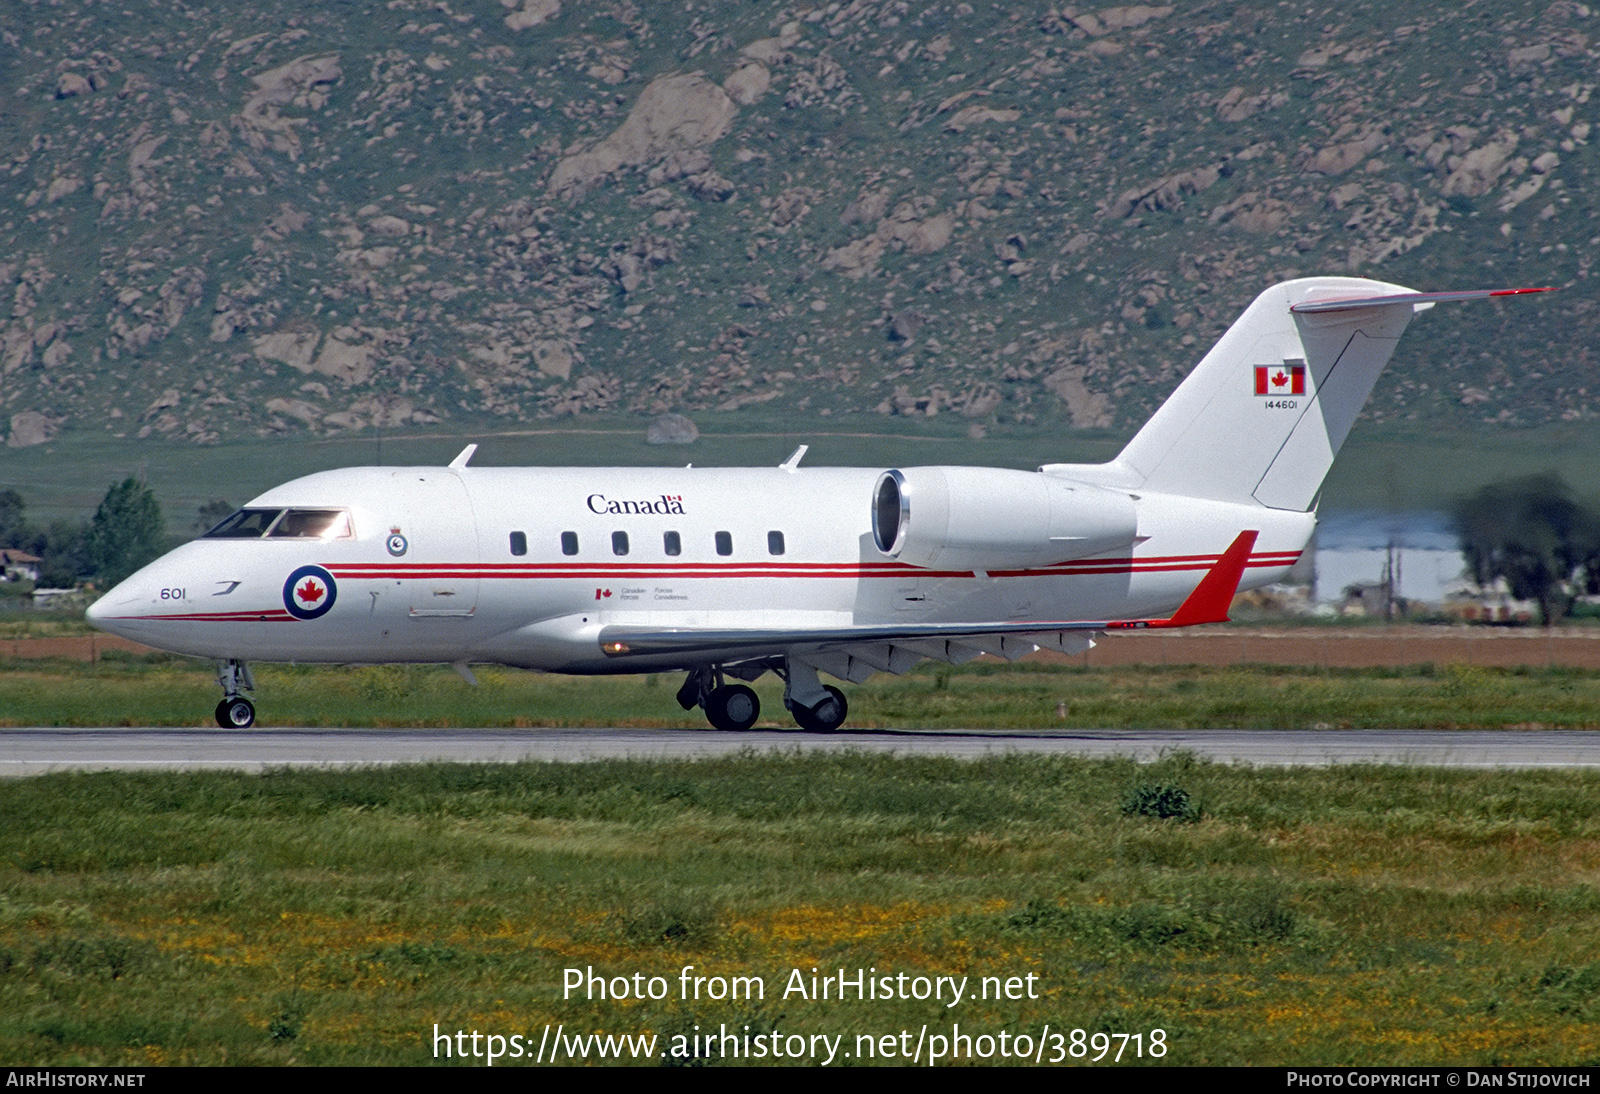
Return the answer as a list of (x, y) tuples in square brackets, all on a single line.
[(460, 462), (792, 464)]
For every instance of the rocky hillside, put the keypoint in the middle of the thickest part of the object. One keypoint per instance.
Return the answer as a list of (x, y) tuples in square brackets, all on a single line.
[(291, 217)]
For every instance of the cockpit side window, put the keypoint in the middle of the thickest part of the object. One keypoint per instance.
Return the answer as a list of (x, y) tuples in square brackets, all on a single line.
[(312, 524), (245, 524)]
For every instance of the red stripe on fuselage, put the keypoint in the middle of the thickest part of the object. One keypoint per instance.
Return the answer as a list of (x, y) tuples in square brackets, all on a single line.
[(690, 570), (279, 616)]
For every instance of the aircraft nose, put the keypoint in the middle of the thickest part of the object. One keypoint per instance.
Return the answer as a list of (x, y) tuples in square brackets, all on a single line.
[(103, 612)]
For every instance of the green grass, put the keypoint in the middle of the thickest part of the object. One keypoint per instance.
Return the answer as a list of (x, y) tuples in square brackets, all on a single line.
[(1374, 916), (165, 690)]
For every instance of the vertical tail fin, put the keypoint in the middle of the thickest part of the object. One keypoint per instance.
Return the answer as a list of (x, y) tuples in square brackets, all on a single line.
[(1263, 414)]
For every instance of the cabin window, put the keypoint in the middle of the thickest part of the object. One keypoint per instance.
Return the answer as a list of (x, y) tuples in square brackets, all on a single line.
[(619, 543), (569, 543), (774, 543), (519, 543), (724, 543), (672, 543)]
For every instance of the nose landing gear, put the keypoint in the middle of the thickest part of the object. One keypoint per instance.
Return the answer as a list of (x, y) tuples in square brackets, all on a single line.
[(235, 711)]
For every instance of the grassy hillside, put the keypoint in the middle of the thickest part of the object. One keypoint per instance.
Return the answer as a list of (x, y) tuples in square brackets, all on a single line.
[(297, 221)]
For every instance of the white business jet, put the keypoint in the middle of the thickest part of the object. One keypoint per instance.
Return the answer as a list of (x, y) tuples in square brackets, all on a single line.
[(731, 573)]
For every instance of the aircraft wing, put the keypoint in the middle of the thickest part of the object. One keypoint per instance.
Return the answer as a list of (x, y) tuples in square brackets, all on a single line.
[(856, 652)]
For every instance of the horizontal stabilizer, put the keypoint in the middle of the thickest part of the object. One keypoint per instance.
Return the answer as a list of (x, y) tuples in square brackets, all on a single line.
[(1261, 418), (1351, 303)]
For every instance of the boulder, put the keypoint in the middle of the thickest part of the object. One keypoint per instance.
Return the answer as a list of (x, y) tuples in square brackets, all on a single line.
[(1087, 409), (532, 13), (308, 413), (391, 226), (678, 112), (977, 114), (351, 363), (1336, 159), (71, 84), (1476, 173), (671, 429), (553, 358), (292, 347), (30, 428), (748, 83)]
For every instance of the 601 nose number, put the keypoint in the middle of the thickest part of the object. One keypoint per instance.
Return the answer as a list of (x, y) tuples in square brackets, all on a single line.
[(172, 594)]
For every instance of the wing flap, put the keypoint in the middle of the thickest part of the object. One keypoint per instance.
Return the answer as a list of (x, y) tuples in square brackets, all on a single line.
[(841, 664)]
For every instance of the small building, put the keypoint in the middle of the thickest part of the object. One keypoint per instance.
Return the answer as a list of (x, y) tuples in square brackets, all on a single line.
[(1414, 557), (18, 565)]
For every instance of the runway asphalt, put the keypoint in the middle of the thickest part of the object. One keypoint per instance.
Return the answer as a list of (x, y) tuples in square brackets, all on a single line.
[(38, 751)]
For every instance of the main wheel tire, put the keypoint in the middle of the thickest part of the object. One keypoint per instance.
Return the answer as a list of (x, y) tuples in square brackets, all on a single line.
[(826, 716), (733, 708), (236, 713)]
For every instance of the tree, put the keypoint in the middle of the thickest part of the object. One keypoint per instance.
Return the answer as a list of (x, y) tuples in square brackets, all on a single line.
[(63, 558), (127, 532), (13, 519), (1533, 535), (210, 514)]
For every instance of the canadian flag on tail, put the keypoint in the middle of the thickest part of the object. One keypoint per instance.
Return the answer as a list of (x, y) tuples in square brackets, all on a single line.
[(1284, 379)]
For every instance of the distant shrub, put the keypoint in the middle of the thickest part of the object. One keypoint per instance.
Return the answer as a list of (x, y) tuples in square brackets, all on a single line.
[(111, 957), (1569, 990), (286, 1025), (670, 924), (1042, 915), (1160, 800)]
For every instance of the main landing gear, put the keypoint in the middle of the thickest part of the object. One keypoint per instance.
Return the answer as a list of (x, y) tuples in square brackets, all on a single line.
[(235, 711), (815, 707), (729, 707), (826, 716)]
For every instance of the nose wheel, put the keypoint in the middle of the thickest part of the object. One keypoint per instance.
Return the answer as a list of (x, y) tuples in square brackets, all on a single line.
[(235, 711)]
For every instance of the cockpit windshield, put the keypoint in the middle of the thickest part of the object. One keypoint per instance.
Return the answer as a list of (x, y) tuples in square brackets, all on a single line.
[(245, 524), (284, 524), (311, 524)]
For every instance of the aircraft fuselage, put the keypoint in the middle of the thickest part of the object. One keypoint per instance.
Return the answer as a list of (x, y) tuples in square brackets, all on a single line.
[(527, 566)]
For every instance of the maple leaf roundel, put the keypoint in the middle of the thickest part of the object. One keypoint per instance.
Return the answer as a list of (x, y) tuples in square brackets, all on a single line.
[(309, 592)]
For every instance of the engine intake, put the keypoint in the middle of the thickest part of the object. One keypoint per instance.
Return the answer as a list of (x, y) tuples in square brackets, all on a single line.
[(983, 518)]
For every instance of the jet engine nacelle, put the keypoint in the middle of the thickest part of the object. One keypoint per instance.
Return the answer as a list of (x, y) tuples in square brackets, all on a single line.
[(983, 518)]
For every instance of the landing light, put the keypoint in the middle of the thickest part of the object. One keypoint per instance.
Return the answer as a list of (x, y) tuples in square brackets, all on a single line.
[(612, 649)]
